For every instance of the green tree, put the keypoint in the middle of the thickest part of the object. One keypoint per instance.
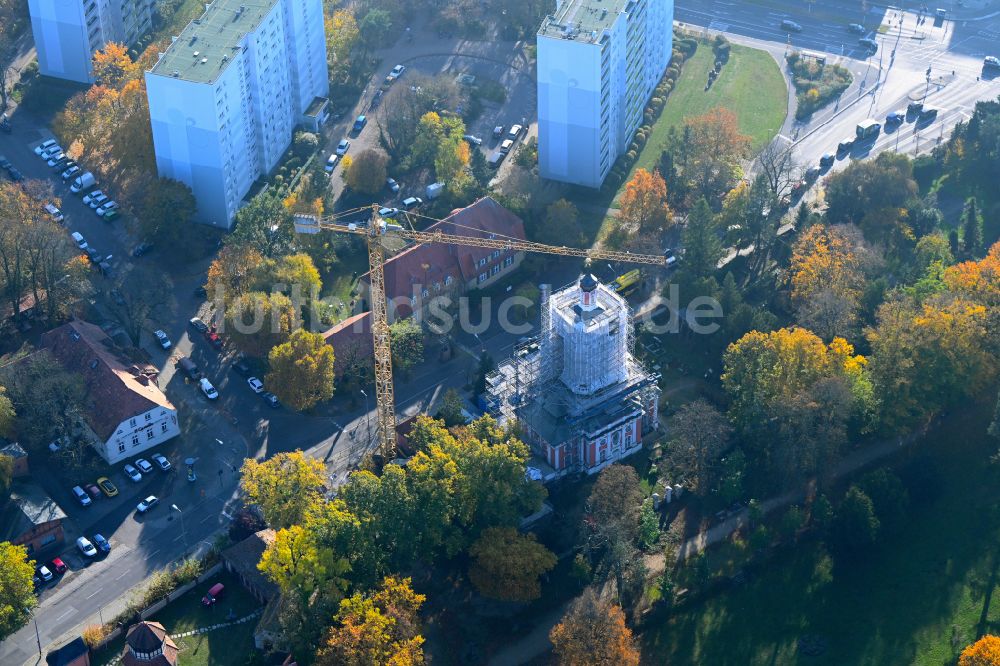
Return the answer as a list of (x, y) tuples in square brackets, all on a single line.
[(257, 322), (379, 629), (304, 144), (888, 495), (649, 525), (972, 228), (302, 370), (17, 591), (560, 225), (822, 513), (284, 486), (873, 194), (407, 341), (855, 526), (507, 564), (264, 225), (367, 173), (451, 408), (702, 246), (7, 414), (6, 476), (374, 28), (168, 208)]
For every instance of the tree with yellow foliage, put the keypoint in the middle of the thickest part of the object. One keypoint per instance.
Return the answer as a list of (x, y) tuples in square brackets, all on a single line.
[(113, 67), (301, 372), (507, 564), (378, 629), (284, 486), (593, 633), (233, 273), (984, 652), (644, 202)]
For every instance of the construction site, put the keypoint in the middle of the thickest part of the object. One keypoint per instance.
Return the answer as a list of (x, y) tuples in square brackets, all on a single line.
[(581, 398)]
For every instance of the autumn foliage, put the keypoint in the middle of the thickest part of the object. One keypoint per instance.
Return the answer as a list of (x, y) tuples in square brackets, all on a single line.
[(593, 633), (644, 202), (984, 652)]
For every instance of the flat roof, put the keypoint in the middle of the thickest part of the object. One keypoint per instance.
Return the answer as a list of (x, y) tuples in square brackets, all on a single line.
[(208, 44), (582, 20)]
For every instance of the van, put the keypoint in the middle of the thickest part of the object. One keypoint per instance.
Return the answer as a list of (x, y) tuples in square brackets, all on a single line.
[(189, 367), (412, 202), (495, 159), (54, 212), (213, 594), (82, 182), (78, 239), (81, 497)]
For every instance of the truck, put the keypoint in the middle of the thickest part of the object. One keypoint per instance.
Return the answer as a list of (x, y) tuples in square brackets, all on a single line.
[(434, 190), (625, 284), (867, 129), (82, 182)]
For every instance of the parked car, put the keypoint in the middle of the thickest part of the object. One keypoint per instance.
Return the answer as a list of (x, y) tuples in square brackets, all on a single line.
[(242, 367), (387, 212), (112, 215), (474, 140), (255, 385), (914, 108), (81, 496), (506, 146), (79, 240), (58, 566), (132, 473), (54, 212), (395, 73), (342, 147), (392, 184), (790, 26), (498, 131), (147, 504), (141, 249), (207, 388), (189, 368), (62, 164), (44, 145), (895, 117), (82, 182), (331, 163), (412, 202), (15, 175), (162, 338), (51, 151), (270, 399), (92, 490), (87, 548), (43, 573), (107, 207), (927, 113), (496, 158), (98, 201), (161, 461), (90, 196), (515, 132), (197, 324), (57, 159), (845, 145), (70, 172), (214, 340), (144, 465), (213, 594), (108, 488), (376, 98), (102, 544), (359, 123)]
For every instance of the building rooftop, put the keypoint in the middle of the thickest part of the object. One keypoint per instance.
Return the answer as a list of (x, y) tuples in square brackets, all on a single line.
[(582, 20), (208, 44), (29, 507), (244, 556)]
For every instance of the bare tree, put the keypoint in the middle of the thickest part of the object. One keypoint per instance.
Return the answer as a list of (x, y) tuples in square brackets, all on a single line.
[(139, 292), (776, 164)]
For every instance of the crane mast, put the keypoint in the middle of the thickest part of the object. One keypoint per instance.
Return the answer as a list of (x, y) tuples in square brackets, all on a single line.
[(385, 402)]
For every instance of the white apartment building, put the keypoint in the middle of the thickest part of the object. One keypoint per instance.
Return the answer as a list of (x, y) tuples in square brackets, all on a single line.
[(598, 63), (68, 32), (226, 96)]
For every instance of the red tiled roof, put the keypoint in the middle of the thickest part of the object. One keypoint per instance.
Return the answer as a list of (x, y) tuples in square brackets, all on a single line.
[(117, 389), (427, 263), (350, 339)]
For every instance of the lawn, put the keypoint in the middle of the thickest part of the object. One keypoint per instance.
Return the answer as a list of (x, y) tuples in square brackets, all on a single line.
[(231, 645), (919, 599), (750, 85)]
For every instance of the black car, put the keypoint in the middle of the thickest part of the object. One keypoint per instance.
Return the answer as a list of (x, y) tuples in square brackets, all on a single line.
[(868, 44), (791, 26), (242, 367), (198, 325), (271, 400), (94, 256), (856, 28), (15, 175)]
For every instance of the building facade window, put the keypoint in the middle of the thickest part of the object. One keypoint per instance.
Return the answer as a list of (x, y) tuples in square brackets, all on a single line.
[(483, 277), (508, 261)]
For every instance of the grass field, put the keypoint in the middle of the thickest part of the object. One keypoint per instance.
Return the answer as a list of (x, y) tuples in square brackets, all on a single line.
[(923, 595), (229, 646), (750, 85)]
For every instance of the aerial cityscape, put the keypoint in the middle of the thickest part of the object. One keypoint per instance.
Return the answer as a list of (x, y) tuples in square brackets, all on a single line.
[(562, 332)]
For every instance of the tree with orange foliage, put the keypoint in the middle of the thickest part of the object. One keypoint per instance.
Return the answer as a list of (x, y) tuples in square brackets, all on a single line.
[(711, 150), (233, 273), (984, 652), (828, 278), (381, 629), (593, 633), (644, 202), (113, 67)]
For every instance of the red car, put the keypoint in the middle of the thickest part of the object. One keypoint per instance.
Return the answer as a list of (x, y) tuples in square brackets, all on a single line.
[(94, 491), (58, 566), (214, 340)]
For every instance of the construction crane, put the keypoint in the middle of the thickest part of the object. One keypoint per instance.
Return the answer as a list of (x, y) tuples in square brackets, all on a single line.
[(374, 231)]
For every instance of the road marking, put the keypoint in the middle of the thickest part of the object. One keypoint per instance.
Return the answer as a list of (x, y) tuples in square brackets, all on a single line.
[(123, 574), (718, 25), (65, 615), (93, 593)]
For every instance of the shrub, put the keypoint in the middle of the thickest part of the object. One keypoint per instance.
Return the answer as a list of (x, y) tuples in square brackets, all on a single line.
[(95, 634)]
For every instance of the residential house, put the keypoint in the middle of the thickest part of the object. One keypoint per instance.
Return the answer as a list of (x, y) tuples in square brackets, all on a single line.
[(20, 457), (148, 644), (242, 558), (31, 518), (352, 344), (420, 276), (127, 412)]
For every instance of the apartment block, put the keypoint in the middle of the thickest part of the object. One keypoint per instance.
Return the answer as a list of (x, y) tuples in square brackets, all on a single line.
[(225, 97), (68, 32), (598, 63)]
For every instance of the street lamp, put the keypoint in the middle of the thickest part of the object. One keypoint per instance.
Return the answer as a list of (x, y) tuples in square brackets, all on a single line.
[(368, 426), (183, 528)]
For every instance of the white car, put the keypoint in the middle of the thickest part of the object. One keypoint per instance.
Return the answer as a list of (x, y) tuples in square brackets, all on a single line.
[(50, 151), (87, 198), (161, 461), (147, 504), (393, 185), (70, 172), (474, 140), (396, 72), (144, 465), (44, 145), (256, 385), (132, 473), (343, 146), (98, 201), (162, 338), (331, 163), (207, 388), (106, 207), (55, 159), (44, 573), (87, 548)]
